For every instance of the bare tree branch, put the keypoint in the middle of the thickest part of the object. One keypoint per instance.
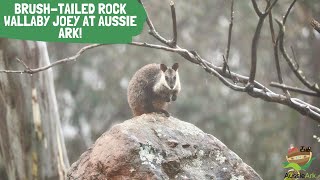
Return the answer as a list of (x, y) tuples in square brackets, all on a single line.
[(155, 46), (152, 30), (254, 46), (256, 37), (174, 40), (294, 57), (275, 49), (210, 70), (294, 89), (28, 70), (288, 12), (256, 8), (24, 64), (257, 90), (225, 62), (292, 65), (275, 43), (225, 65), (268, 8), (315, 24)]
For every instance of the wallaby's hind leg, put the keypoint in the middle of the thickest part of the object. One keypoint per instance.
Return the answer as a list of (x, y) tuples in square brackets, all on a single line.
[(159, 106)]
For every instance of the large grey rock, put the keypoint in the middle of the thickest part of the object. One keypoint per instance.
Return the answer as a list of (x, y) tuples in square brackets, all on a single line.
[(156, 147)]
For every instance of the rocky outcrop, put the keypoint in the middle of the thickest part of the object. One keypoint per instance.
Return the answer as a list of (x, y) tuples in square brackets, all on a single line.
[(152, 146)]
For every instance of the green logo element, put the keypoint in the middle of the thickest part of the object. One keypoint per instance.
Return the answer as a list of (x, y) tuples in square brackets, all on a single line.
[(77, 21), (297, 160)]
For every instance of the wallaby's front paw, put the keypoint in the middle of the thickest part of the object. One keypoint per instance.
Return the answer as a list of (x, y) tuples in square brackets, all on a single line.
[(166, 113), (174, 97)]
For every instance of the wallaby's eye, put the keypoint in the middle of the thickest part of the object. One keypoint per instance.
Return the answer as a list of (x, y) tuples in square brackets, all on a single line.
[(167, 78), (174, 78)]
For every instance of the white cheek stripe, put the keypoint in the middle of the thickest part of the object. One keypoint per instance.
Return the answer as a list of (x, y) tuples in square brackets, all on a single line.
[(177, 80), (162, 82)]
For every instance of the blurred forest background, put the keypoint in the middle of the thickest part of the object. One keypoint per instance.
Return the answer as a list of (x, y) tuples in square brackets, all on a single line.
[(92, 91)]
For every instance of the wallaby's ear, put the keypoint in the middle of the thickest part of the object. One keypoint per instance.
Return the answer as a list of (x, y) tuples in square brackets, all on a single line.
[(175, 66), (163, 67)]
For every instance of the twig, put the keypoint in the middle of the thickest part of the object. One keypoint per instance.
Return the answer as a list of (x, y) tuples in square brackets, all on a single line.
[(315, 24), (225, 65), (268, 8), (309, 106), (256, 37), (155, 46), (297, 72), (275, 48), (254, 46), (174, 40), (28, 70), (294, 66), (23, 63), (294, 89), (275, 43), (210, 70), (295, 58), (152, 30), (229, 38), (256, 8), (288, 12)]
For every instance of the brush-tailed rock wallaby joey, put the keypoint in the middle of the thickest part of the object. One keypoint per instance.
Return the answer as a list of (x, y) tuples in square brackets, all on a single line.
[(152, 88)]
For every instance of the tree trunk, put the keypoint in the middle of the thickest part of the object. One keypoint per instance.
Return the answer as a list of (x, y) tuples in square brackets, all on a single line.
[(31, 142)]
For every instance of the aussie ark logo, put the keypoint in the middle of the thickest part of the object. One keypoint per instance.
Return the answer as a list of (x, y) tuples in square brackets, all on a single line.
[(298, 161)]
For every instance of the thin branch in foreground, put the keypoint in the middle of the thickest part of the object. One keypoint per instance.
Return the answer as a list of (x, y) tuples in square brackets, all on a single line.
[(215, 73), (294, 89), (254, 47), (152, 31), (269, 7), (256, 8), (28, 70), (315, 24), (225, 64), (183, 52), (275, 48), (23, 63), (297, 72), (288, 12), (256, 37), (155, 46), (295, 58), (275, 44), (174, 40)]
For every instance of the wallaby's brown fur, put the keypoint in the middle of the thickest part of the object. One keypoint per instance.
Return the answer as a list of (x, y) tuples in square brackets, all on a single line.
[(152, 88)]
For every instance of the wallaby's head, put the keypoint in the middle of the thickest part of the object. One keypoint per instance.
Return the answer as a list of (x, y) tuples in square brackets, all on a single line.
[(171, 75)]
